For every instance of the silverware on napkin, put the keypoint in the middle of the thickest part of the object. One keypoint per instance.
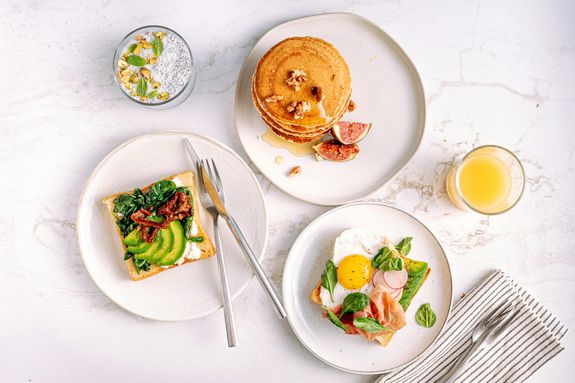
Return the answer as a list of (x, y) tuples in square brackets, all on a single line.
[(486, 332), (219, 205)]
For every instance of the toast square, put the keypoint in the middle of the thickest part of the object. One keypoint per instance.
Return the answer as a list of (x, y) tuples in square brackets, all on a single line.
[(206, 247)]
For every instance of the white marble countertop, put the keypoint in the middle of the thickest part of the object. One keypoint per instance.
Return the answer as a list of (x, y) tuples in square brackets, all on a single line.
[(494, 72)]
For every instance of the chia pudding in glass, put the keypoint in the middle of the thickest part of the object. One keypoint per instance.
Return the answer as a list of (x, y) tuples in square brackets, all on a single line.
[(153, 66)]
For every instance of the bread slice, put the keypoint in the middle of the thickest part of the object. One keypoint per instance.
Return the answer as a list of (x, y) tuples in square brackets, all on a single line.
[(382, 339), (207, 247)]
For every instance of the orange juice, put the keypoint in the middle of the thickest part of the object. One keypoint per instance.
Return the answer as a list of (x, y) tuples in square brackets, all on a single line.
[(485, 182)]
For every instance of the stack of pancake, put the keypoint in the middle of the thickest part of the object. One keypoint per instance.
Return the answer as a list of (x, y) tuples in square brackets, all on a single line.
[(322, 86)]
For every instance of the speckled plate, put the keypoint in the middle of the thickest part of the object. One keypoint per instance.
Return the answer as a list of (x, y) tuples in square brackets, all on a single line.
[(192, 290), (306, 262), (388, 93)]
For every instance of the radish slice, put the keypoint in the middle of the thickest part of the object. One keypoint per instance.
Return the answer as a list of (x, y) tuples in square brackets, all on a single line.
[(377, 278), (395, 279)]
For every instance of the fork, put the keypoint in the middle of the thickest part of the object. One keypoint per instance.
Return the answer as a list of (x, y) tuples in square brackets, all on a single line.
[(212, 211), (484, 334)]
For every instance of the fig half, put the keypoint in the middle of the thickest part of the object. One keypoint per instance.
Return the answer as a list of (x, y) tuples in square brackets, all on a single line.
[(335, 151), (349, 132)]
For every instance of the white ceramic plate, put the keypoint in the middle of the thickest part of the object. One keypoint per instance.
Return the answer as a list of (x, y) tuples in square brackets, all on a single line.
[(306, 262), (387, 91), (189, 291)]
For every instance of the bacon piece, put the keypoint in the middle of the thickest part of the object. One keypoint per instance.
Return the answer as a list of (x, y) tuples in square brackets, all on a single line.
[(149, 228), (176, 208)]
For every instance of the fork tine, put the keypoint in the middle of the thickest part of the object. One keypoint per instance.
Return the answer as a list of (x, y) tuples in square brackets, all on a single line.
[(496, 316), (506, 322), (218, 178)]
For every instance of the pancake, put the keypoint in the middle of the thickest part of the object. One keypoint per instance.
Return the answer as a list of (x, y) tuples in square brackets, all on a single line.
[(324, 68)]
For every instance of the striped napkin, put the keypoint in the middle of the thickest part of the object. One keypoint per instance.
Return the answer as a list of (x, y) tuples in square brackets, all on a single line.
[(533, 338)]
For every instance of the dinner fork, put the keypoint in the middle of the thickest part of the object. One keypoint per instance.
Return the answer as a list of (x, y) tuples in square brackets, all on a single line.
[(213, 212), (484, 334)]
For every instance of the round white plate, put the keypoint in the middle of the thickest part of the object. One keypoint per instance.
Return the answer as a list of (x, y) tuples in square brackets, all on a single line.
[(387, 91), (192, 290), (306, 262)]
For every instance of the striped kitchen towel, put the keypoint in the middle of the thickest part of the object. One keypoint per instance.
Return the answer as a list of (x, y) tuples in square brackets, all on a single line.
[(533, 338)]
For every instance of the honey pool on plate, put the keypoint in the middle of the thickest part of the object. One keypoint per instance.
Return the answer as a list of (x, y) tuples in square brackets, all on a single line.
[(489, 180)]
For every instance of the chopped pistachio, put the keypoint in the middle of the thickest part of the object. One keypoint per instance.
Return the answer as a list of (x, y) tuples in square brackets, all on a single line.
[(134, 79), (152, 60), (138, 49), (122, 64), (160, 35), (145, 72), (146, 44), (156, 84), (163, 96)]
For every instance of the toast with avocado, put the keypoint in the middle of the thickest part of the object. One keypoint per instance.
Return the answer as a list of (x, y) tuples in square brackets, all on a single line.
[(159, 226)]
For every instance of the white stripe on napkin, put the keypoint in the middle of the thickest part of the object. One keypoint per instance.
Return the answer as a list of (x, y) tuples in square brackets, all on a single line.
[(533, 338)]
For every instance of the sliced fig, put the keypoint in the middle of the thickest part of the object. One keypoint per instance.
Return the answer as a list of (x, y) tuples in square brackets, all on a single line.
[(335, 151), (349, 132)]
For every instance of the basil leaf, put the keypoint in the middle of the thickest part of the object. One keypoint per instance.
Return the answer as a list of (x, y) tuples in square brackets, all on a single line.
[(425, 316), (329, 277), (142, 87), (334, 319), (369, 325), (404, 247), (383, 254), (157, 46), (197, 239), (353, 303), (152, 94), (136, 60), (127, 255), (132, 47), (391, 264)]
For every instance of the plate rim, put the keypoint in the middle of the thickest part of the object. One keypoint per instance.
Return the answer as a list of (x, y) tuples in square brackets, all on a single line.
[(449, 309), (418, 83), (103, 161)]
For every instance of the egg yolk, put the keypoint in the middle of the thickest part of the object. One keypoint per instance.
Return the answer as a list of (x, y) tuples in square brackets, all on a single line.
[(354, 271)]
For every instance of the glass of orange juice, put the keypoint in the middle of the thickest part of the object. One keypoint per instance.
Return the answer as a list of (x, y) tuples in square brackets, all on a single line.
[(489, 180)]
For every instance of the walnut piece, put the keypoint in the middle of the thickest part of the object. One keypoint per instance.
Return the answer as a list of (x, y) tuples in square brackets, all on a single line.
[(274, 98), (351, 106), (298, 108), (317, 91), (295, 171), (296, 78)]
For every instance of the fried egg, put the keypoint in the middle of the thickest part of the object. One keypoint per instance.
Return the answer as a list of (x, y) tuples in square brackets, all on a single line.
[(352, 253)]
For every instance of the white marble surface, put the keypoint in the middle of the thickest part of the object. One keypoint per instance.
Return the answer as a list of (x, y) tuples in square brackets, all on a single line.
[(494, 72)]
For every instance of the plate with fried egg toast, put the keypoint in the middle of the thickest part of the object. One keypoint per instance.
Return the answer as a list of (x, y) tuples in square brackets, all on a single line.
[(367, 288), (143, 232)]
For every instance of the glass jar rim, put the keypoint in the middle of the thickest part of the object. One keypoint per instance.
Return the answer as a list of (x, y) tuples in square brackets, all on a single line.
[(121, 46)]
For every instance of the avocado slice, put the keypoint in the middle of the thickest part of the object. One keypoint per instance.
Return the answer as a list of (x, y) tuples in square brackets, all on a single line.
[(416, 273), (134, 238), (178, 247), (139, 248), (166, 247), (150, 253)]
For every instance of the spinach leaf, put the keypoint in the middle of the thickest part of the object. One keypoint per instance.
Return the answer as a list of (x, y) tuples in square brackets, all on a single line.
[(127, 255), (197, 239), (353, 303), (404, 247), (334, 319), (385, 260), (141, 264), (369, 325), (425, 316), (329, 277), (391, 264), (159, 192), (124, 206)]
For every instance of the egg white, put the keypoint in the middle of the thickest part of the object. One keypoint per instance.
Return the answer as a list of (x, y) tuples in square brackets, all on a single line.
[(352, 241)]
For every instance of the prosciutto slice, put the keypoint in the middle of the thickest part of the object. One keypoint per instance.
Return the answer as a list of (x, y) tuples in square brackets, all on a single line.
[(382, 307)]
